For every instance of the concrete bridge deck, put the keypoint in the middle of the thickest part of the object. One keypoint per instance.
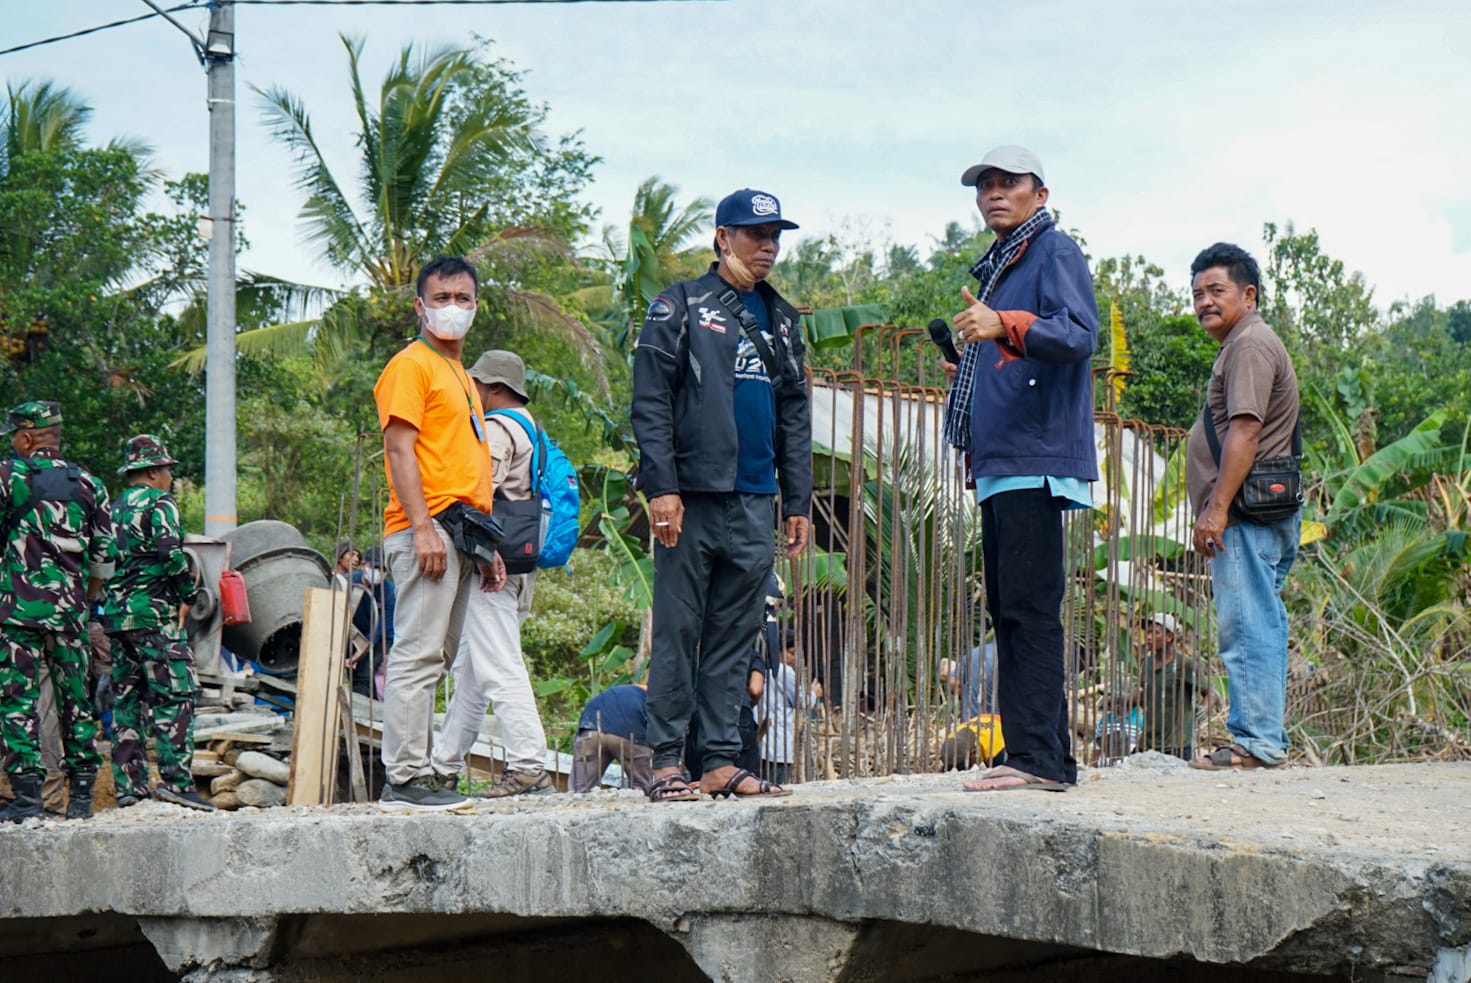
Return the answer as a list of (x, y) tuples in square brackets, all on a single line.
[(1145, 871)]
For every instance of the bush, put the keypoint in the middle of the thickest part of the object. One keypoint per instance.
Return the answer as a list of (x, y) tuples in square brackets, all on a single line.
[(568, 609)]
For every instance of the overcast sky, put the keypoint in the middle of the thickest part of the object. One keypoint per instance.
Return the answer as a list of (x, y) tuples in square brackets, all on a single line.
[(1163, 125)]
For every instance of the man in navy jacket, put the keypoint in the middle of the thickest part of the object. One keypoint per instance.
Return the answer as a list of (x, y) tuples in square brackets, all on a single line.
[(721, 416), (1021, 407)]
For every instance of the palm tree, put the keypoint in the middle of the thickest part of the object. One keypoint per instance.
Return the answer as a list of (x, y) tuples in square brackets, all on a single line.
[(423, 149), (655, 252), (40, 116), (444, 124)]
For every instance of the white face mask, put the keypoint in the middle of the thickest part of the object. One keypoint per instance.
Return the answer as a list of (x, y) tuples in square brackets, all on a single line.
[(372, 576), (450, 322)]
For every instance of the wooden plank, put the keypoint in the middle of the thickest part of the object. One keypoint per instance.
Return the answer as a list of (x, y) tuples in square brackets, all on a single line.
[(357, 781), (319, 668), (242, 732), (235, 737)]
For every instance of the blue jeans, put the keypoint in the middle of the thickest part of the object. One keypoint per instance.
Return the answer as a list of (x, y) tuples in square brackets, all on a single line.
[(1247, 576)]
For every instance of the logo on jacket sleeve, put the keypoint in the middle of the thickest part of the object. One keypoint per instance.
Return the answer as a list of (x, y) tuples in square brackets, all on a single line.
[(712, 319)]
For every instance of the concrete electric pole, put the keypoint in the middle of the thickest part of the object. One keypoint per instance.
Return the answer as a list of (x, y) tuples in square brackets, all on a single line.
[(219, 415), (216, 52)]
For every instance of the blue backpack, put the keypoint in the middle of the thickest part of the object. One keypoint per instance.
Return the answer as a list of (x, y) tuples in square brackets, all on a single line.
[(554, 478)]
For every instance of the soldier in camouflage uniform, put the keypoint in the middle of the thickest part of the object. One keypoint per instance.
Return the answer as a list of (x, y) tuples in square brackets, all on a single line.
[(143, 613), (55, 551)]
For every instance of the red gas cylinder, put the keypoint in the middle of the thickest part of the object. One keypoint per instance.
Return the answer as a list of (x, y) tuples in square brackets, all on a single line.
[(234, 605)]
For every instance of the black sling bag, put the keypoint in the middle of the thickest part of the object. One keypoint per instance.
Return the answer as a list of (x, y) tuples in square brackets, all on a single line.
[(1273, 487)]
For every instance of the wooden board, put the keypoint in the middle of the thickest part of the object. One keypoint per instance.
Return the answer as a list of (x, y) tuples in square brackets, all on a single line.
[(357, 780), (228, 737), (319, 668)]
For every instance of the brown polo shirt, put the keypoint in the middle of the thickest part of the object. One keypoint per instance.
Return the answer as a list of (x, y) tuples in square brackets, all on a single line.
[(1252, 376)]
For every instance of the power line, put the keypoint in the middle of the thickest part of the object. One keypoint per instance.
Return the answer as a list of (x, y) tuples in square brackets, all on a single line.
[(201, 4), (93, 30), (427, 3)]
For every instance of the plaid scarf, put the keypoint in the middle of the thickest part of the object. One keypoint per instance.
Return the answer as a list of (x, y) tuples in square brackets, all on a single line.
[(987, 271)]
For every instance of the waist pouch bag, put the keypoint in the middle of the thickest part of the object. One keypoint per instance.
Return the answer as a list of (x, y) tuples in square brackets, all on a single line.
[(1273, 487), (1272, 490), (520, 523), (474, 533)]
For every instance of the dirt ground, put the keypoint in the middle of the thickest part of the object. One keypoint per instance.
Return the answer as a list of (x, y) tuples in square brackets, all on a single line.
[(103, 796)]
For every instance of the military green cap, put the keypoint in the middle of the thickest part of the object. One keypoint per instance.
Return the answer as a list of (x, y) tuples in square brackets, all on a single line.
[(38, 414), (145, 451)]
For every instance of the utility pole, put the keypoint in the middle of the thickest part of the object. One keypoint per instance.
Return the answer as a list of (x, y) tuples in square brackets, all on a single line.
[(219, 407), (216, 52)]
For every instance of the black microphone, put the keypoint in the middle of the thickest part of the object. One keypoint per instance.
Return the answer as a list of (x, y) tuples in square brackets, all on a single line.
[(940, 335)]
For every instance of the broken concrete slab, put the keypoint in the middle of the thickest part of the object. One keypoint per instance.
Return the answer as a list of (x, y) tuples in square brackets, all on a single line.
[(1327, 871)]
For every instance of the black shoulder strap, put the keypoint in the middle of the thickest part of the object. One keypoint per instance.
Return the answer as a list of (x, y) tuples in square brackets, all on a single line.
[(58, 484), (752, 328), (1209, 423)]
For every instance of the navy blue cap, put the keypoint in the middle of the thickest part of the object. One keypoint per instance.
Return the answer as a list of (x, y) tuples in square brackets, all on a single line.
[(749, 207)]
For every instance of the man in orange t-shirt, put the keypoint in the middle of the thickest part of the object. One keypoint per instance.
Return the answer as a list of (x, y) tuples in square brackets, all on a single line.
[(435, 454)]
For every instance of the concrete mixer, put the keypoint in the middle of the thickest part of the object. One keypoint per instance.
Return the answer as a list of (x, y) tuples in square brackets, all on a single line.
[(277, 566)]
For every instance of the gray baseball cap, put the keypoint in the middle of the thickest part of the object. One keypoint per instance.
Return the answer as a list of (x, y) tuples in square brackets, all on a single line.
[(1011, 159), (1166, 621), (504, 367)]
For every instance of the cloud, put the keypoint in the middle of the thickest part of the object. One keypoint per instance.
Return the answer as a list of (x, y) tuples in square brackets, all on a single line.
[(1163, 127)]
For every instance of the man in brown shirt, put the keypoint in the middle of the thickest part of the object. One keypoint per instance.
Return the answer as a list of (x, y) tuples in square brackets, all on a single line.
[(1252, 403)]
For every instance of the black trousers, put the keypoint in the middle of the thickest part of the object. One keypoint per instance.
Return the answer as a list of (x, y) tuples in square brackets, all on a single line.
[(750, 757), (1021, 542), (709, 592)]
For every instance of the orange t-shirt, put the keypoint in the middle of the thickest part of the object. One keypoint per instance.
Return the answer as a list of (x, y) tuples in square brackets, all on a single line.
[(433, 393)]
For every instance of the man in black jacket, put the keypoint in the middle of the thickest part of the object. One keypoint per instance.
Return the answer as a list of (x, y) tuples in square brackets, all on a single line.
[(721, 416)]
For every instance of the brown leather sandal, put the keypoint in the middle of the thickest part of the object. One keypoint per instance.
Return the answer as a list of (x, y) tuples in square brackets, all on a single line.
[(732, 788), (672, 788)]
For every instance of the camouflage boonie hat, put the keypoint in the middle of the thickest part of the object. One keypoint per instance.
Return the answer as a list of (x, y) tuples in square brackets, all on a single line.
[(38, 414), (145, 451)]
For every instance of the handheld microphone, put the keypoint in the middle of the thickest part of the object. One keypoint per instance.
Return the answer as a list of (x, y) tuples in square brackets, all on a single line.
[(940, 335)]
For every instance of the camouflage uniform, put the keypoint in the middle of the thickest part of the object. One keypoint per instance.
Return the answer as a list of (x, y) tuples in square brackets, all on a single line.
[(152, 665), (55, 533)]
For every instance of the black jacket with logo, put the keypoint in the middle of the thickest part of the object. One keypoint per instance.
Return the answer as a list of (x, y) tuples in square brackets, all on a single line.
[(683, 394)]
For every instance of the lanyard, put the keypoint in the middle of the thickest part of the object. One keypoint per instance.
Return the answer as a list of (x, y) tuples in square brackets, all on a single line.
[(464, 384)]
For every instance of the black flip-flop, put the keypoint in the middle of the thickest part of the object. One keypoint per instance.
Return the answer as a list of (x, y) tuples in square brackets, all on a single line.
[(1035, 783), (1228, 757)]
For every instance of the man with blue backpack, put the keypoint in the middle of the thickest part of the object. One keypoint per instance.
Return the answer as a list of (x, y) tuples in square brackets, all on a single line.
[(533, 482)]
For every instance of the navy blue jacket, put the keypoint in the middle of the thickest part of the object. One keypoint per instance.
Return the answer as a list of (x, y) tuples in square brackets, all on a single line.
[(683, 395), (1032, 411), (621, 711)]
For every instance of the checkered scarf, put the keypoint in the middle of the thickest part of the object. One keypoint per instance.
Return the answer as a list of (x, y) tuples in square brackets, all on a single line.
[(986, 271)]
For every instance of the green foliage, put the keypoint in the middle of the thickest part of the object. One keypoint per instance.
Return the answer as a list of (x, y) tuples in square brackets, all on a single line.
[(450, 161), (40, 116), (1171, 359), (1316, 306), (1392, 470), (579, 638), (655, 252), (448, 155), (85, 275), (1139, 288), (1415, 364)]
